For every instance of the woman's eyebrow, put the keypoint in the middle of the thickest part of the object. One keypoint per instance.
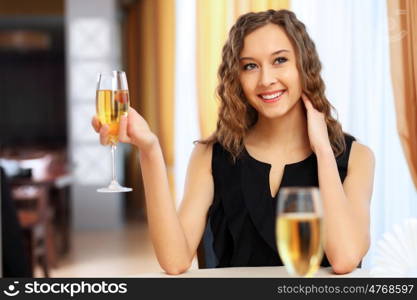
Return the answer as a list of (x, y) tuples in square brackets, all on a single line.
[(274, 53)]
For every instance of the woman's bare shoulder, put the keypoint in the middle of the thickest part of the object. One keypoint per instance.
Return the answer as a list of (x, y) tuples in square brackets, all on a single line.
[(361, 155), (201, 154), (202, 149)]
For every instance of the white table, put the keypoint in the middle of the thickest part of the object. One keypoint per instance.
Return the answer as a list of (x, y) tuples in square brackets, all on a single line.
[(250, 272)]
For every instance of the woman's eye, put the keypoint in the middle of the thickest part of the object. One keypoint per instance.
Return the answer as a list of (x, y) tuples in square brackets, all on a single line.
[(249, 67), (281, 60)]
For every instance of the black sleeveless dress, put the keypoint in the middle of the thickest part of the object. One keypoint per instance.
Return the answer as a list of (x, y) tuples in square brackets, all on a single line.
[(241, 220)]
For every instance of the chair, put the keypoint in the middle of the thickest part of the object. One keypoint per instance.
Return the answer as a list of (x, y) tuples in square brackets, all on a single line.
[(15, 262), (33, 214)]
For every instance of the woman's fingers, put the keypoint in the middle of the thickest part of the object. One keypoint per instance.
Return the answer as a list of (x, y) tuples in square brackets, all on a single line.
[(96, 124), (133, 129), (103, 130), (104, 134), (123, 137), (306, 101)]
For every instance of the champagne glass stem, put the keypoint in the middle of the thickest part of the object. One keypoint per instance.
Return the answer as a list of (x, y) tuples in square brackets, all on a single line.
[(113, 165)]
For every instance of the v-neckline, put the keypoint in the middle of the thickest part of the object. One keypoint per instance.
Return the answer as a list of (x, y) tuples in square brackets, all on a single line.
[(269, 166)]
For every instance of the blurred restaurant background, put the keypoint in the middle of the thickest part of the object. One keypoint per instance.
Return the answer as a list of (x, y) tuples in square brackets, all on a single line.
[(55, 224)]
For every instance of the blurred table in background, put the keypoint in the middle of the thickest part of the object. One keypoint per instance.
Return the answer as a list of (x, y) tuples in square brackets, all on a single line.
[(40, 188)]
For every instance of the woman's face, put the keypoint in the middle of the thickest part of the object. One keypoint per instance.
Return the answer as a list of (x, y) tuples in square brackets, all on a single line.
[(268, 71)]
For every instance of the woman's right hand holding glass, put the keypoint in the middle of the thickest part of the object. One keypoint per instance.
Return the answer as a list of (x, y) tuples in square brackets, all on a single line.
[(133, 129)]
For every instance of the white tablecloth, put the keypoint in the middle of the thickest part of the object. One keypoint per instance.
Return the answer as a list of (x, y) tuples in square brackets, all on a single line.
[(251, 272)]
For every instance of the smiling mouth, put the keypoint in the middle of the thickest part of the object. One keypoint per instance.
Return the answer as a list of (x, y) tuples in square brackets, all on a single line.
[(272, 97)]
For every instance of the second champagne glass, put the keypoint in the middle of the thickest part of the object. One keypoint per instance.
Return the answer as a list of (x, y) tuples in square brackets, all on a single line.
[(112, 101), (299, 230)]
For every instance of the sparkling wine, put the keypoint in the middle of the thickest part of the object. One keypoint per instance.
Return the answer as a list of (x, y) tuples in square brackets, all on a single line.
[(110, 106), (299, 242)]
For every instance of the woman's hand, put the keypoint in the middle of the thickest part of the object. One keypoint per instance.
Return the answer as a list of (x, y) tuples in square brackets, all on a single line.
[(317, 128), (133, 129)]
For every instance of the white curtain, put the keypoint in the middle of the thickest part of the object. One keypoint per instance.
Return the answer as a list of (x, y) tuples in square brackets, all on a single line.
[(352, 38), (186, 115)]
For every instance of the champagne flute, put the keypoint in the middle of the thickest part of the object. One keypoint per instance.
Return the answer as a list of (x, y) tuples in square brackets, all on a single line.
[(112, 102), (299, 230)]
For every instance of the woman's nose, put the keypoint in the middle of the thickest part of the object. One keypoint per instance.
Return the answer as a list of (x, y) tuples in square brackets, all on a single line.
[(268, 77)]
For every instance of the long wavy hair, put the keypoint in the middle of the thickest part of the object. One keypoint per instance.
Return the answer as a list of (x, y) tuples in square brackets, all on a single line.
[(236, 115)]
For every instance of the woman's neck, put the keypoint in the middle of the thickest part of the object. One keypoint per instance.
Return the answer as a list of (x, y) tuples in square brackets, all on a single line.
[(288, 133)]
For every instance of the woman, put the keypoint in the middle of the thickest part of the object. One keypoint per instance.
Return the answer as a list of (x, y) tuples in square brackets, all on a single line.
[(275, 129)]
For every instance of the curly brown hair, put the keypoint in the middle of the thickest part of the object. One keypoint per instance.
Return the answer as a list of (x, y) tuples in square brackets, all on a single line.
[(236, 115)]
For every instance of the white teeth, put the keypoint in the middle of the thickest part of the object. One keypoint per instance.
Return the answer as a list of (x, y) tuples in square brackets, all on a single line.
[(268, 97)]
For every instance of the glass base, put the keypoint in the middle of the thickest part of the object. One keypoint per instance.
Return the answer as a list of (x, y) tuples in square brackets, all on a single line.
[(114, 187)]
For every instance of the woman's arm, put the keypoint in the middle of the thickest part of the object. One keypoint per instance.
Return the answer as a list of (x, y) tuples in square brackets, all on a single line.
[(346, 207), (175, 237)]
